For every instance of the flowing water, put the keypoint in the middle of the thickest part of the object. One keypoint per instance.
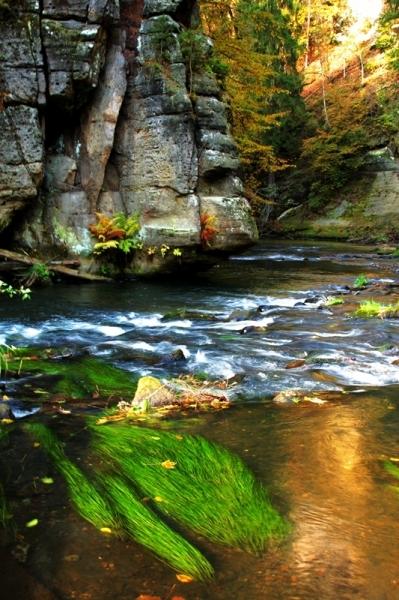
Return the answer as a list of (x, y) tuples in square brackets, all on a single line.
[(323, 463)]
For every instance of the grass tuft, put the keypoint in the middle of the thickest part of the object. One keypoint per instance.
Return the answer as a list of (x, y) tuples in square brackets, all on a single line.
[(372, 309), (333, 301), (195, 482), (361, 281), (86, 498), (143, 525), (391, 469), (118, 508), (189, 480)]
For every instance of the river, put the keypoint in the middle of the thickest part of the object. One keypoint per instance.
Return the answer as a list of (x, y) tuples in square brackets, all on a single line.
[(250, 316)]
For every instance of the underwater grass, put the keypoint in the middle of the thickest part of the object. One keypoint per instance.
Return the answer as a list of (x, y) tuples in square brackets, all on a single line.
[(195, 482), (84, 495), (119, 509), (147, 528), (391, 469), (77, 377)]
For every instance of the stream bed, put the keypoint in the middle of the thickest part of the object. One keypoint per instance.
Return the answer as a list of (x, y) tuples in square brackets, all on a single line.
[(249, 317)]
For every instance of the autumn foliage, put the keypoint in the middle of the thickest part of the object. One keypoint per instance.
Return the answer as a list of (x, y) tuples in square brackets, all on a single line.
[(208, 229)]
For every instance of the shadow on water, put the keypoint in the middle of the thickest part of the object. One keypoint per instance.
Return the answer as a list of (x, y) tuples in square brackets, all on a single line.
[(323, 464)]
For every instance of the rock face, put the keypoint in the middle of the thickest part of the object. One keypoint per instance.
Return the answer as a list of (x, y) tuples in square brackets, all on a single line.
[(100, 112), (366, 209)]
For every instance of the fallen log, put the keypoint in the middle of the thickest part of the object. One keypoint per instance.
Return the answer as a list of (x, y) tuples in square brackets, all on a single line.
[(57, 268)]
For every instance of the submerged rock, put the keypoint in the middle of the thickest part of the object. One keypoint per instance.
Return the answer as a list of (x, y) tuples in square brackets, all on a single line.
[(298, 396)]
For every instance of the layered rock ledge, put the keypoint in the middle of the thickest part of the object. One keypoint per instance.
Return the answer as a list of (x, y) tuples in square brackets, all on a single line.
[(101, 112)]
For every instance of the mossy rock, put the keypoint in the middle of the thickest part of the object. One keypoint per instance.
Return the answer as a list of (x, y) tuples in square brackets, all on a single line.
[(152, 392)]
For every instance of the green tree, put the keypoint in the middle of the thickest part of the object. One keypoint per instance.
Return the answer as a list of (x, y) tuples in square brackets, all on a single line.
[(254, 38)]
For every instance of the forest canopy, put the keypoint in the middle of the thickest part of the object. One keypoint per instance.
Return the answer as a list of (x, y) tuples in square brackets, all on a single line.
[(306, 82)]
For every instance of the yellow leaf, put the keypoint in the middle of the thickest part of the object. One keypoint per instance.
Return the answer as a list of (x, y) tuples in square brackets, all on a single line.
[(184, 578), (105, 530), (5, 397), (36, 444), (32, 523), (6, 421), (179, 437), (168, 464), (158, 499), (47, 480)]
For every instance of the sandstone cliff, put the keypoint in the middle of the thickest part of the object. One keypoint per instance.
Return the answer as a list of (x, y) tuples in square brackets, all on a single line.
[(100, 111)]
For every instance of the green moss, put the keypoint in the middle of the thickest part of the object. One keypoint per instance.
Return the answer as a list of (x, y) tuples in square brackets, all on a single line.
[(201, 484)]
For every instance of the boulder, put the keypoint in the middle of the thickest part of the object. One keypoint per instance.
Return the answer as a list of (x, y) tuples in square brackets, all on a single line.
[(152, 392), (234, 224)]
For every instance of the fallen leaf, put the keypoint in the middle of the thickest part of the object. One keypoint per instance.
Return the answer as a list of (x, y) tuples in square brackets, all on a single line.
[(105, 530), (146, 597), (32, 523), (47, 480), (158, 499), (71, 557), (168, 464), (295, 364), (184, 578), (6, 421), (178, 598), (5, 397), (36, 444), (178, 437)]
